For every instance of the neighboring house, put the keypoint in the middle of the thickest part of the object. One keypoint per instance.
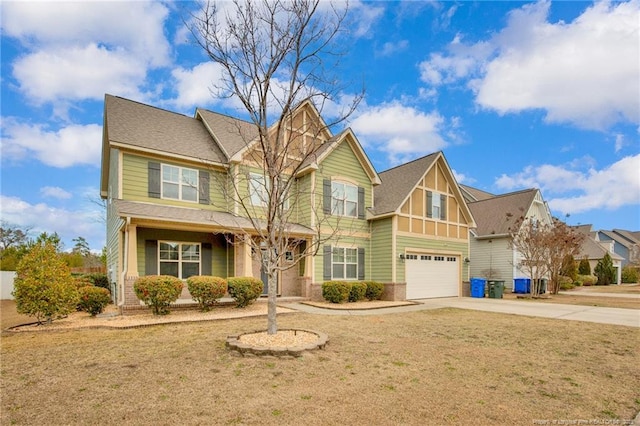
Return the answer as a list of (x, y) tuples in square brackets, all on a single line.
[(170, 209), (491, 255), (626, 244), (594, 250)]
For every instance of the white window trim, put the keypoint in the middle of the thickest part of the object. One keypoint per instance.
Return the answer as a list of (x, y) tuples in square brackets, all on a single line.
[(181, 183), (343, 201), (179, 261), (344, 263)]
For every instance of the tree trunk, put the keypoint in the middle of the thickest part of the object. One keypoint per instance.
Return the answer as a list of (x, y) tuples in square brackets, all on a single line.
[(272, 290)]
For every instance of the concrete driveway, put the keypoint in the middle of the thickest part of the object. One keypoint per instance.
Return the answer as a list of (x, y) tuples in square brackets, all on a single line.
[(617, 316)]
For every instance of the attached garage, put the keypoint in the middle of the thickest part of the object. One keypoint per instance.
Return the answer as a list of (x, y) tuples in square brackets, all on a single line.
[(430, 276)]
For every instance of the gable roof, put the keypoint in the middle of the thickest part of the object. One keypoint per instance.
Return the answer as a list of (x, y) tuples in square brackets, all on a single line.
[(232, 134), (594, 250), (617, 238), (495, 215), (474, 194), (399, 182), (633, 237)]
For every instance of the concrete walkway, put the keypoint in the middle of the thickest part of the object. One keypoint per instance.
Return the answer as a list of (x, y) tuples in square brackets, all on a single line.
[(616, 316)]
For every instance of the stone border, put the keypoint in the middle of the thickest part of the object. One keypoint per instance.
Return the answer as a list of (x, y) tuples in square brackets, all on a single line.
[(233, 343)]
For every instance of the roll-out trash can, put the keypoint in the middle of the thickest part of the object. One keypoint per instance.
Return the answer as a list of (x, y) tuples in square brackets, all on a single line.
[(477, 287), (496, 289), (522, 285), (542, 287)]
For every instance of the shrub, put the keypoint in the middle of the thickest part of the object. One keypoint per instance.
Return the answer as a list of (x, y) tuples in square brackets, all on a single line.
[(629, 275), (206, 290), (99, 280), (336, 291), (244, 290), (586, 280), (605, 271), (569, 267), (565, 283), (584, 268), (158, 291), (93, 299), (43, 287), (374, 290), (358, 291), (82, 281)]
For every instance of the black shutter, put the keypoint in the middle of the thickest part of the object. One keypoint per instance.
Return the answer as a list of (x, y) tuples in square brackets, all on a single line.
[(154, 180), (326, 264), (443, 207), (203, 187), (151, 257), (429, 204), (207, 260), (326, 196), (360, 202), (361, 263)]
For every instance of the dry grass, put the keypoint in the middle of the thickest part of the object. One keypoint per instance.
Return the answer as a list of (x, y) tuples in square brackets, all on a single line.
[(623, 288), (440, 366), (577, 299)]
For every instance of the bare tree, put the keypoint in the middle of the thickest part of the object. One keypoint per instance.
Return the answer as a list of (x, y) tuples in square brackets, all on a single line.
[(274, 56), (12, 236), (542, 248)]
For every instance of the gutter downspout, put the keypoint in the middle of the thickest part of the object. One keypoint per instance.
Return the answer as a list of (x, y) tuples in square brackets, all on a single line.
[(125, 264)]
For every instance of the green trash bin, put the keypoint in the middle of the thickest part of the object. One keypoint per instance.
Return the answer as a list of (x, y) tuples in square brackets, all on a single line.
[(542, 288), (496, 289)]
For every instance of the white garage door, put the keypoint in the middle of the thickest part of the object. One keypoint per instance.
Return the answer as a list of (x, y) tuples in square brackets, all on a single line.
[(431, 276)]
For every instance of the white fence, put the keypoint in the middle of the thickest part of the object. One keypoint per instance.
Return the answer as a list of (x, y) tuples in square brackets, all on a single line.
[(6, 284)]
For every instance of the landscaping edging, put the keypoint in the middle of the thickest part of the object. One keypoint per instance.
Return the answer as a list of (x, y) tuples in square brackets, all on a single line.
[(244, 348)]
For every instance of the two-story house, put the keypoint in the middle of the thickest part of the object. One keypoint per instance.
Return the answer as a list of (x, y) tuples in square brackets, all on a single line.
[(181, 192)]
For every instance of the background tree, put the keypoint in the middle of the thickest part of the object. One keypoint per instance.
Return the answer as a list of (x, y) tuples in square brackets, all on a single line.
[(569, 268), (43, 286), (543, 248), (13, 242), (274, 55), (584, 268), (605, 271)]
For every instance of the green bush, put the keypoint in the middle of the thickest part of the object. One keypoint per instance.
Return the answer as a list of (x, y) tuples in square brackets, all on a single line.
[(93, 299), (206, 290), (584, 268), (44, 287), (374, 290), (566, 283), (605, 271), (158, 291), (358, 291), (99, 279), (336, 291), (629, 275), (245, 290), (586, 280), (81, 281)]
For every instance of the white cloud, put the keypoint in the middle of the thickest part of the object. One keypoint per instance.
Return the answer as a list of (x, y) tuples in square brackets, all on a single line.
[(66, 147), (196, 86), (55, 192), (575, 191), (80, 50), (403, 132), (390, 48), (68, 224), (585, 72)]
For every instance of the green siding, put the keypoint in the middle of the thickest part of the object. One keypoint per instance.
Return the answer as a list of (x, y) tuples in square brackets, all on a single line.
[(114, 223), (343, 242), (135, 183), (219, 262), (381, 244)]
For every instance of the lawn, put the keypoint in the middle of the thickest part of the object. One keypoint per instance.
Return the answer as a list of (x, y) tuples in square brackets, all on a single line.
[(440, 366)]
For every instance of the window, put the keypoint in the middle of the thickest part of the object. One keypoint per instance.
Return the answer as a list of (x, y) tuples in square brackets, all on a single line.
[(180, 260), (258, 189), (344, 199), (436, 205), (344, 263), (179, 183)]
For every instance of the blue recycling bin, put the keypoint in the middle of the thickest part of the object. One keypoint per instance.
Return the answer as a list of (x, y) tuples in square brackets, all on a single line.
[(522, 285), (477, 287)]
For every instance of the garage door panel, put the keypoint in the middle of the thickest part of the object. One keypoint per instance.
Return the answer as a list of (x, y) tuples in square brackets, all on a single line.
[(430, 276)]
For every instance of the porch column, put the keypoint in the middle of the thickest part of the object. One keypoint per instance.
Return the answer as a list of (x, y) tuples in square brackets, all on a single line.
[(247, 264), (131, 261)]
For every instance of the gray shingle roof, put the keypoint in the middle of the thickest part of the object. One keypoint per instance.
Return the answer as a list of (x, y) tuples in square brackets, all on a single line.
[(495, 215), (214, 219), (474, 194), (138, 125), (398, 182), (231, 133)]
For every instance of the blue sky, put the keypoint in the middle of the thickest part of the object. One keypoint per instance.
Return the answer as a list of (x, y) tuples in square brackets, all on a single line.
[(516, 94)]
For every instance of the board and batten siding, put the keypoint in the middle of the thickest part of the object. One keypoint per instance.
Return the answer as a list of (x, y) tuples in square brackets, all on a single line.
[(427, 245), (492, 259), (135, 183), (381, 250)]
